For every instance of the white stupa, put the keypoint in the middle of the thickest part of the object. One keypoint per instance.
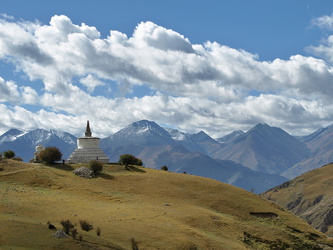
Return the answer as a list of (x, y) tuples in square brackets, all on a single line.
[(88, 149)]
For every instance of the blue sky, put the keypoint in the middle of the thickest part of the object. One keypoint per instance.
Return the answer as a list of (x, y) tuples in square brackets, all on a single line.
[(216, 66)]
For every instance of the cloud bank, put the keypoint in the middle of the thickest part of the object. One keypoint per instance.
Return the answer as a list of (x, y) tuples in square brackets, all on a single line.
[(193, 87)]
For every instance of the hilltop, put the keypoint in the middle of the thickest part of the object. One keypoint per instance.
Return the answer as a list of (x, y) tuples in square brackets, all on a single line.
[(308, 196), (160, 209)]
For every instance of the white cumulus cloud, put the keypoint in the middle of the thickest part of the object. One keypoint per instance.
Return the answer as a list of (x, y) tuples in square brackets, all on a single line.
[(193, 86)]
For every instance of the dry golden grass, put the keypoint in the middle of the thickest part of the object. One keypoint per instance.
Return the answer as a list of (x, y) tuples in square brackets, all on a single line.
[(161, 210)]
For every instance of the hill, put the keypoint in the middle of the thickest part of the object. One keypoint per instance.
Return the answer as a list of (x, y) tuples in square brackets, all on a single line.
[(159, 209), (308, 196)]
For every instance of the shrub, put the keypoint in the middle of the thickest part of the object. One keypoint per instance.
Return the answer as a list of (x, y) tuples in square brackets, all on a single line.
[(8, 154), (50, 155), (98, 231), (165, 168), (95, 166), (86, 226), (128, 159), (67, 226)]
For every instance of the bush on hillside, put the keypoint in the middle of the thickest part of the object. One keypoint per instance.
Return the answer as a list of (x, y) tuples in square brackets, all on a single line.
[(8, 154), (165, 168), (128, 159), (50, 155), (86, 226), (96, 166)]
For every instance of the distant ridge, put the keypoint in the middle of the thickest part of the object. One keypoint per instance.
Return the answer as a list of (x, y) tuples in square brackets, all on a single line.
[(320, 144), (265, 149), (24, 143), (230, 137), (10, 135)]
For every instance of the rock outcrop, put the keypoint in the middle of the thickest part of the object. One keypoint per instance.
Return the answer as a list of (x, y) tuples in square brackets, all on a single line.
[(83, 172)]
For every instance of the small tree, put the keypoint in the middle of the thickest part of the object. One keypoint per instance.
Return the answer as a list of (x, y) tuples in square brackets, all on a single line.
[(50, 155), (67, 226), (8, 154), (74, 233), (128, 159), (98, 231), (96, 166)]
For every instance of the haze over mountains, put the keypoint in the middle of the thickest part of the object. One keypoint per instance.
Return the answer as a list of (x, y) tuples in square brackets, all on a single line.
[(259, 159)]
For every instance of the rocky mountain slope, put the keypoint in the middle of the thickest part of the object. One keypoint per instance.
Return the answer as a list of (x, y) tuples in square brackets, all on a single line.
[(308, 196), (157, 209), (264, 149)]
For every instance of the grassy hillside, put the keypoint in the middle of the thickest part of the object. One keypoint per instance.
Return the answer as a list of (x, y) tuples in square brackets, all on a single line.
[(161, 210), (309, 196)]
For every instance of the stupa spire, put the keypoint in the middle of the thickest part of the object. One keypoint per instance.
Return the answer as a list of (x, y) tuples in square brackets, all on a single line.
[(88, 131), (88, 149)]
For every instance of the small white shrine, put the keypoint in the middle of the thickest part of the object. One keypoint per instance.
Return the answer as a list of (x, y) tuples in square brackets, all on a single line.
[(88, 149), (38, 149)]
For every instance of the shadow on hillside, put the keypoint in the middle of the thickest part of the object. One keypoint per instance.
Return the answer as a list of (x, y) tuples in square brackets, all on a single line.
[(65, 167), (105, 176), (134, 169)]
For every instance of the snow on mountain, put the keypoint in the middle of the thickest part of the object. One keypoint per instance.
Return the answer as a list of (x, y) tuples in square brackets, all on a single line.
[(138, 133), (177, 135), (24, 143), (11, 135)]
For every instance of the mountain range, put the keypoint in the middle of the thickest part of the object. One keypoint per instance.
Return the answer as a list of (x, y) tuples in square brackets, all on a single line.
[(257, 160)]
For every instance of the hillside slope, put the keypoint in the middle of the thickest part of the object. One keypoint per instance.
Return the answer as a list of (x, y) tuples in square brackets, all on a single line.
[(161, 210), (308, 196), (179, 159)]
